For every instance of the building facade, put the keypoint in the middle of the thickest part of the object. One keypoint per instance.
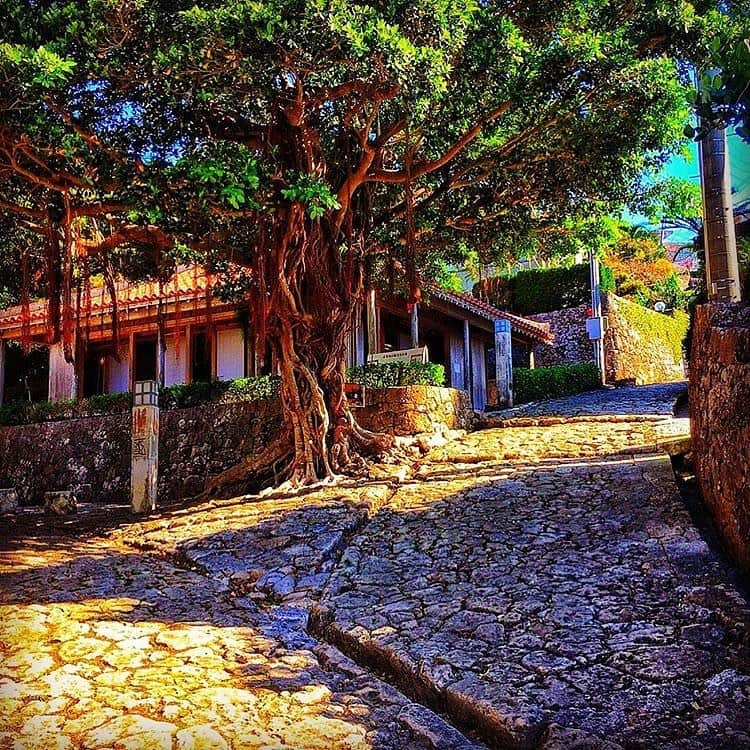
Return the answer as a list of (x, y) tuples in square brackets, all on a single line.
[(206, 339)]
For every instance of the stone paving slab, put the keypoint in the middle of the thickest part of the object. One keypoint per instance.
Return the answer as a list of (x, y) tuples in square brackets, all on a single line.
[(538, 582), (105, 647), (629, 403)]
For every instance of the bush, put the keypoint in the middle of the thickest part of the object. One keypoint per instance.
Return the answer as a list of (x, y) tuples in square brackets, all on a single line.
[(170, 397), (223, 391), (539, 290), (24, 412), (388, 374), (552, 382)]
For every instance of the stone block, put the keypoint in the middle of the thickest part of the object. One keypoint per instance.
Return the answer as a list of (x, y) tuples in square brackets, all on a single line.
[(8, 501), (60, 503)]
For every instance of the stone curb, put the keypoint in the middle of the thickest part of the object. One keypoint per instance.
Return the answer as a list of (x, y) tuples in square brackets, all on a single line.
[(492, 726)]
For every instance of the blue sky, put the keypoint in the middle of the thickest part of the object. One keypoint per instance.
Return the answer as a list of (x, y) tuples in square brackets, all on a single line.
[(688, 169)]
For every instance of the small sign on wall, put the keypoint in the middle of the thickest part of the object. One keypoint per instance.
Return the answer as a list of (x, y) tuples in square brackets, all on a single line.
[(401, 355), (595, 327)]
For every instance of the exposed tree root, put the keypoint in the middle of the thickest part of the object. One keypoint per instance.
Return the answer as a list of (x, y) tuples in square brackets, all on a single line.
[(258, 469)]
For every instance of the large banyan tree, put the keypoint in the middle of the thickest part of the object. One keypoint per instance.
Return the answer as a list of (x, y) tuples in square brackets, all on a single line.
[(310, 150)]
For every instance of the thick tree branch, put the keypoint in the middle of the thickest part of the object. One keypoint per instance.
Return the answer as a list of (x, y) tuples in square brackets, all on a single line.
[(423, 168)]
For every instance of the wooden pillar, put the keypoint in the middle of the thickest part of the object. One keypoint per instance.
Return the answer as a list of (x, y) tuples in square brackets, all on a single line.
[(372, 324), (503, 363), (414, 325), (161, 352), (62, 375), (144, 457), (468, 380)]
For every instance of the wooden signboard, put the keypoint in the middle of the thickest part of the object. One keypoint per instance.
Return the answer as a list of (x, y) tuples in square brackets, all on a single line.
[(400, 355)]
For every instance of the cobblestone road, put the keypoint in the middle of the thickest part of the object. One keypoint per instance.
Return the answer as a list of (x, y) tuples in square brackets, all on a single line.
[(540, 586)]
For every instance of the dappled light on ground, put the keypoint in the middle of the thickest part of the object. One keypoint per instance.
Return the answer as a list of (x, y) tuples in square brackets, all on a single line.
[(539, 585)]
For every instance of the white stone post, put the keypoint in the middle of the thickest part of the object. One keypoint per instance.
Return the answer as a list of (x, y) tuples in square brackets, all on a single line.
[(144, 461), (503, 363)]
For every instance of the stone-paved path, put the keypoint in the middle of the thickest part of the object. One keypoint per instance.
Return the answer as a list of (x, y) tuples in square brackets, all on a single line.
[(540, 586)]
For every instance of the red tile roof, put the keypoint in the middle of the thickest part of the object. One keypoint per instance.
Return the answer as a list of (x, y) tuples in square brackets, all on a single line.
[(191, 283), (530, 328)]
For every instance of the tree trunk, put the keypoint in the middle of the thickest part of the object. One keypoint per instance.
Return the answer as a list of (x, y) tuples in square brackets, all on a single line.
[(306, 321)]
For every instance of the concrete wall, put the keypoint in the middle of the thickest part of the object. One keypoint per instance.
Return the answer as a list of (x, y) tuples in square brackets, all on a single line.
[(92, 455), (720, 419)]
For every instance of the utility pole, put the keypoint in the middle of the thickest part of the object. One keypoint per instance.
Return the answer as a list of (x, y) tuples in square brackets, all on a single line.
[(595, 325), (722, 268)]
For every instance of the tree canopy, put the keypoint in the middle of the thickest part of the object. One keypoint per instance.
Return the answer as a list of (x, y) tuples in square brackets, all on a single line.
[(312, 149), (722, 97)]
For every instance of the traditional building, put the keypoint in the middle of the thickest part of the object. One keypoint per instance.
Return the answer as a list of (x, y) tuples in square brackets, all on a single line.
[(205, 338)]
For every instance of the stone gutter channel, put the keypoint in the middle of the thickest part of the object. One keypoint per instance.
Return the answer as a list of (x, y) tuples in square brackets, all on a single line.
[(294, 620)]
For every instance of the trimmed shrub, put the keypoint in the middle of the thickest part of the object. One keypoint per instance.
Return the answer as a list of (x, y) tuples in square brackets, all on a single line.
[(388, 374), (170, 397), (184, 395), (553, 382), (539, 290), (24, 412)]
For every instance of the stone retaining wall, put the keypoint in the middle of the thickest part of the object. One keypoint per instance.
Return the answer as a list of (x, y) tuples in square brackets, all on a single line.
[(91, 455), (637, 344), (720, 419), (571, 345), (633, 352), (408, 410)]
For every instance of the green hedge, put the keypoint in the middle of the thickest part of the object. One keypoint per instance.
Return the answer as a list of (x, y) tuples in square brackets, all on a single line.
[(222, 391), (25, 412), (552, 382), (388, 374), (170, 397), (653, 326), (219, 391), (539, 290)]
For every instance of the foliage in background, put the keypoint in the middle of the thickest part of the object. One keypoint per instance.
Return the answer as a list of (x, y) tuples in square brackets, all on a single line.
[(389, 374), (553, 382), (538, 290), (633, 264), (723, 64), (673, 203), (653, 326)]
